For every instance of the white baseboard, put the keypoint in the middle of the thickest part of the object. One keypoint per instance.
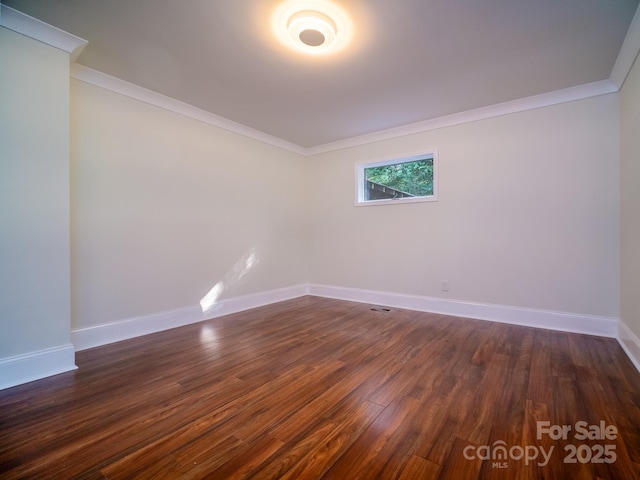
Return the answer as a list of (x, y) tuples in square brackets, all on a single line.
[(89, 337), (36, 365), (562, 321), (630, 343)]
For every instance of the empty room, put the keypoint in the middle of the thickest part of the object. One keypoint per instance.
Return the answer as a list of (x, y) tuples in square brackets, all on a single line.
[(320, 239)]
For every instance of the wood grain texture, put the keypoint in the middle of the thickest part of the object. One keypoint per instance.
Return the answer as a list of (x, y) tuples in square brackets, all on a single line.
[(317, 388)]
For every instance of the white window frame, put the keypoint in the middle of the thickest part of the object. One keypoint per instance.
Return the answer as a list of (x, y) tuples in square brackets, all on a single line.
[(360, 180)]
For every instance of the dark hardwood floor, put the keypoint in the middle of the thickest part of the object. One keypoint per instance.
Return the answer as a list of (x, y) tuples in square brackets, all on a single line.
[(319, 388)]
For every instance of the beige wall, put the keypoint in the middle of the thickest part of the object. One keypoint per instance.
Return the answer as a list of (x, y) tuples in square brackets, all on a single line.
[(165, 207), (528, 214), (630, 194), (34, 197)]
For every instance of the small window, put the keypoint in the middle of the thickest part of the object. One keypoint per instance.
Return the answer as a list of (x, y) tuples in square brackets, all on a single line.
[(403, 180)]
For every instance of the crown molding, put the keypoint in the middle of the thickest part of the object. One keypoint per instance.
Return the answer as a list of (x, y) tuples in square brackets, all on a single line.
[(624, 62), (523, 104), (94, 77), (43, 32), (628, 52), (21, 23)]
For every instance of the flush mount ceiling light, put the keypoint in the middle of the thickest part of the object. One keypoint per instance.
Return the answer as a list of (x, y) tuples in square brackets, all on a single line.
[(312, 26), (311, 30)]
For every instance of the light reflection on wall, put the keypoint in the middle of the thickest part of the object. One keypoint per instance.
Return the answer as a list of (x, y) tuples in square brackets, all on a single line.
[(230, 281)]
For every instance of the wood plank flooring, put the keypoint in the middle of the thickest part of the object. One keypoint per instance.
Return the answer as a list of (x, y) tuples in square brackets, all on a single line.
[(317, 388)]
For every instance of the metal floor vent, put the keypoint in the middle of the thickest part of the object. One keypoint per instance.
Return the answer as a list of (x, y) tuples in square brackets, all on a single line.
[(380, 309)]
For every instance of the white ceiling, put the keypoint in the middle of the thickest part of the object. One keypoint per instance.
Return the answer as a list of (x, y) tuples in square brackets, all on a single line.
[(410, 60)]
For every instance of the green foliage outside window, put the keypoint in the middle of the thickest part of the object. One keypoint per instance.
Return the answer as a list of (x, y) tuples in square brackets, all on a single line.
[(415, 178)]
